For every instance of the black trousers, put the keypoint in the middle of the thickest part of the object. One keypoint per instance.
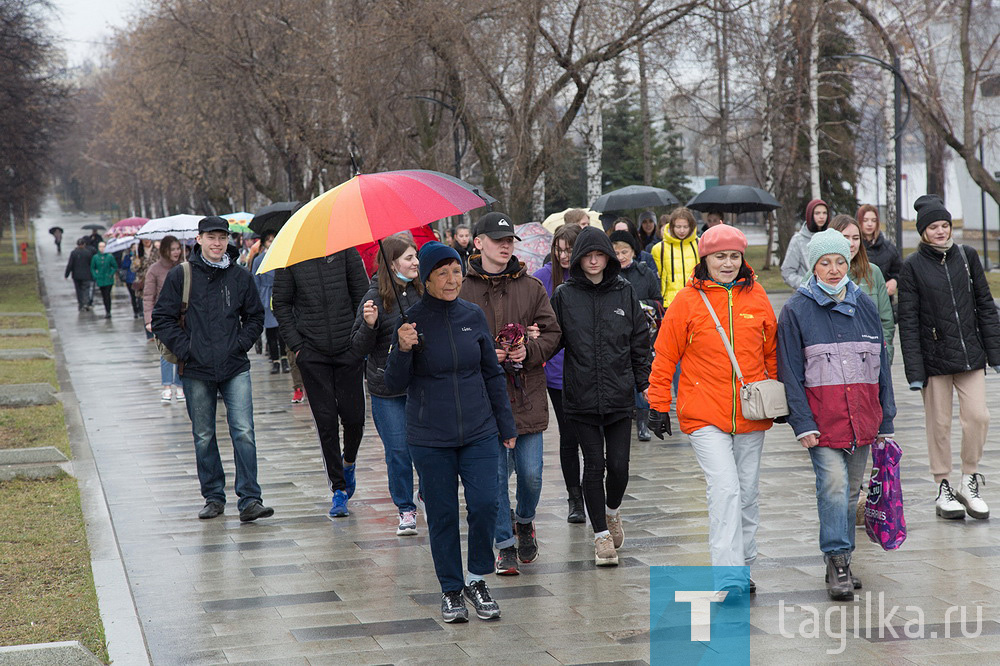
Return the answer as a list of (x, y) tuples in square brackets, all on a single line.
[(336, 397), (84, 293), (106, 297), (136, 299), (569, 443), (604, 447), (275, 345)]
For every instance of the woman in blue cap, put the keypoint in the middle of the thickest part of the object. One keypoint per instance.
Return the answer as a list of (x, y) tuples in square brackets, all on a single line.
[(457, 413)]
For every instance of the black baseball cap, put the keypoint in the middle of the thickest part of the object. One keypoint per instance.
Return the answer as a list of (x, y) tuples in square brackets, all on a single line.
[(212, 223), (496, 226)]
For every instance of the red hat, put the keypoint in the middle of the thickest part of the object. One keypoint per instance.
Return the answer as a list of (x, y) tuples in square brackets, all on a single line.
[(721, 238)]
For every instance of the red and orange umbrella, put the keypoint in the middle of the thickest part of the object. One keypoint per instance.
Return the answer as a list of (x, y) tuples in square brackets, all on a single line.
[(368, 208)]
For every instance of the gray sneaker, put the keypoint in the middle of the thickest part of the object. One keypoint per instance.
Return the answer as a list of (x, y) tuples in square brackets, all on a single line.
[(453, 607), (479, 594)]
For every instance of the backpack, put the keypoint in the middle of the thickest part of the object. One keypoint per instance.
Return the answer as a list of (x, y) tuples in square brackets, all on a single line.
[(168, 355)]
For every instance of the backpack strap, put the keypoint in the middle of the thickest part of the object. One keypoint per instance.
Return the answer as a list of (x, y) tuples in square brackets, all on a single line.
[(186, 290)]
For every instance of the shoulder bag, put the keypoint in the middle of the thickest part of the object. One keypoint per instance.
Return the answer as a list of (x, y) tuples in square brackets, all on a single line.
[(764, 399), (168, 355)]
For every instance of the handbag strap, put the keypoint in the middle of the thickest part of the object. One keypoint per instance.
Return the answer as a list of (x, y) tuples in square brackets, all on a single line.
[(725, 338)]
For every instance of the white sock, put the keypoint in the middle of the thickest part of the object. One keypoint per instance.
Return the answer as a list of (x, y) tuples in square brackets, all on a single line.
[(471, 578), (612, 512), (598, 535)]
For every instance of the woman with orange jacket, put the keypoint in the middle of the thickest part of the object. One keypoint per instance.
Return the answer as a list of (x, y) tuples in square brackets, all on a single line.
[(727, 445)]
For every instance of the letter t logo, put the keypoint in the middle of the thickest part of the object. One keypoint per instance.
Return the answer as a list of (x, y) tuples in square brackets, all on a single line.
[(701, 611)]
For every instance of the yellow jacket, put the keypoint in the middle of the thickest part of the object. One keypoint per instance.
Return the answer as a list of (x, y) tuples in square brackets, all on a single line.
[(675, 259)]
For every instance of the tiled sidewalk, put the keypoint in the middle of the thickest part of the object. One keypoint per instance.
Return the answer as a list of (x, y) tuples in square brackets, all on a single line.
[(300, 589)]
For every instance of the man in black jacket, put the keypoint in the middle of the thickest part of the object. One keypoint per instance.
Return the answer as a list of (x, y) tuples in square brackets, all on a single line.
[(223, 320), (79, 267), (315, 302)]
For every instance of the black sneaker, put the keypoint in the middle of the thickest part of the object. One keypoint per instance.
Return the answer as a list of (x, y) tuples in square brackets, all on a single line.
[(453, 607), (527, 547), (255, 510), (839, 585), (212, 509), (479, 595), (507, 561)]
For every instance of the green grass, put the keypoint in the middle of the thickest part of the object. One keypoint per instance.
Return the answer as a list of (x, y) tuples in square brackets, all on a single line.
[(23, 322), (770, 279), (19, 292), (29, 371), (25, 342), (46, 585), (25, 427)]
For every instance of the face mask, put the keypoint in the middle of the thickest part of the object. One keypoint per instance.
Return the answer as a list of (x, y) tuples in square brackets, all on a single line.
[(833, 289), (402, 278)]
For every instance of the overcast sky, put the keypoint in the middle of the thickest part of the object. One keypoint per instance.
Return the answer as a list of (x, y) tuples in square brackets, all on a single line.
[(80, 26)]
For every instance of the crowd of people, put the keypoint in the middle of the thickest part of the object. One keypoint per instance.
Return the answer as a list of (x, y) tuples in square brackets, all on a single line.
[(463, 352)]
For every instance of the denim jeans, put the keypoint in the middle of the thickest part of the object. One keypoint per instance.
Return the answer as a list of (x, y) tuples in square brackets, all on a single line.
[(168, 373), (526, 459), (389, 415), (201, 403), (84, 293), (838, 480), (731, 464)]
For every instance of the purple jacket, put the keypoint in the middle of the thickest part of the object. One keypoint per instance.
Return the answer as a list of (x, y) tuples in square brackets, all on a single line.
[(554, 366)]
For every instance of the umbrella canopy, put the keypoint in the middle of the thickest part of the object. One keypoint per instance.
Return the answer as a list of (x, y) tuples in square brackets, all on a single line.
[(273, 217), (180, 226), (734, 199), (534, 246), (634, 196), (240, 218), (121, 243), (127, 227), (95, 227), (556, 220), (367, 208), (237, 228), (53, 230)]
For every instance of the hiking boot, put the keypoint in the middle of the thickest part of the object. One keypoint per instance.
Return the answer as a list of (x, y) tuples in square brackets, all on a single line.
[(407, 523), (507, 561), (297, 396), (642, 425), (838, 578), (275, 367), (615, 527), (605, 554), (946, 505), (576, 512), (338, 508), (479, 594), (968, 494), (527, 547), (350, 480), (285, 368), (255, 510), (453, 607), (212, 509), (855, 581)]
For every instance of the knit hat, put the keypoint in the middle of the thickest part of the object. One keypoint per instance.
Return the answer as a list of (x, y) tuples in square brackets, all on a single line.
[(930, 209), (622, 236), (433, 253), (829, 241), (721, 238)]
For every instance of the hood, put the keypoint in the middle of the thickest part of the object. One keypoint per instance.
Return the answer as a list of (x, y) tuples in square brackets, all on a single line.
[(591, 240), (810, 207), (513, 270), (806, 231)]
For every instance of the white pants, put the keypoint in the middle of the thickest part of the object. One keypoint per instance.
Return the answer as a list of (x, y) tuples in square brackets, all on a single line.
[(732, 469)]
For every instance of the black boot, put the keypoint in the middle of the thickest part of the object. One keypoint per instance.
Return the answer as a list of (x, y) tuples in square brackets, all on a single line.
[(285, 368), (839, 585), (642, 424), (576, 513), (275, 367)]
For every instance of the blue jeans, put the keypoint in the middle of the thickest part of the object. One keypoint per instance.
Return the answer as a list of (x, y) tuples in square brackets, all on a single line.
[(389, 415), (526, 459), (201, 403), (440, 468), (168, 373), (838, 482)]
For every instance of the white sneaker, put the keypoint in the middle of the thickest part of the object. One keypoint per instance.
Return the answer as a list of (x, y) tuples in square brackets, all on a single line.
[(968, 494), (946, 505), (165, 395), (179, 394), (407, 523)]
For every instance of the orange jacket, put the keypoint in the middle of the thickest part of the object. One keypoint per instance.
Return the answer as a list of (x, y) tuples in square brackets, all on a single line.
[(708, 391)]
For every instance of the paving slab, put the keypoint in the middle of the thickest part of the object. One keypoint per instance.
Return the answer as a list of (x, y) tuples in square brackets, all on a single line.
[(64, 653), (27, 395), (22, 332), (23, 354)]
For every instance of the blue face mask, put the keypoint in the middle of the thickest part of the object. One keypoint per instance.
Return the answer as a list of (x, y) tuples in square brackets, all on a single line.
[(833, 289), (402, 278)]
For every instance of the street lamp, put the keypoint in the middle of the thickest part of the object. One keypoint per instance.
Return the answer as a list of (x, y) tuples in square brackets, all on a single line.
[(899, 123)]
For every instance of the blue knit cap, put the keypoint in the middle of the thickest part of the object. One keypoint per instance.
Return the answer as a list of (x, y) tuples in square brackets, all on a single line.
[(829, 241), (432, 253)]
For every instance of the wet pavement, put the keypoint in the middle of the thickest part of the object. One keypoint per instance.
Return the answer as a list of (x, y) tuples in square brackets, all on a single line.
[(299, 588)]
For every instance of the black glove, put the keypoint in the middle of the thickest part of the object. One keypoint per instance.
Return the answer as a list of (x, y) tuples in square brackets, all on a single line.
[(659, 422)]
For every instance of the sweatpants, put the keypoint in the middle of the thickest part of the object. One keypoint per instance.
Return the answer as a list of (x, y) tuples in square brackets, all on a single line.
[(336, 393), (604, 448), (973, 416)]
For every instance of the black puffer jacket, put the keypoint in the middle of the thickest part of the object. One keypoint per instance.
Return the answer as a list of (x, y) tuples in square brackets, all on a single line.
[(315, 301), (374, 342), (224, 318), (947, 318), (604, 332), (79, 263), (645, 283), (884, 254)]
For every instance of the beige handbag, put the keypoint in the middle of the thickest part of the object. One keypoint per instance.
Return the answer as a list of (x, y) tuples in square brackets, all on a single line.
[(760, 400), (168, 355)]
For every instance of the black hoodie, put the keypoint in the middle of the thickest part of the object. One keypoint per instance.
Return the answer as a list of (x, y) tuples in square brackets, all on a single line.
[(605, 334)]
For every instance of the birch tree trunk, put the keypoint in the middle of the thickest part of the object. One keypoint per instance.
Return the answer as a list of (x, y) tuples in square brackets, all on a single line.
[(814, 182)]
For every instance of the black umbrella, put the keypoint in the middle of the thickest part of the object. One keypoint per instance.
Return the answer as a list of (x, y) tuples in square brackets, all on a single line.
[(734, 199), (96, 227), (634, 196), (53, 230), (273, 217)]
